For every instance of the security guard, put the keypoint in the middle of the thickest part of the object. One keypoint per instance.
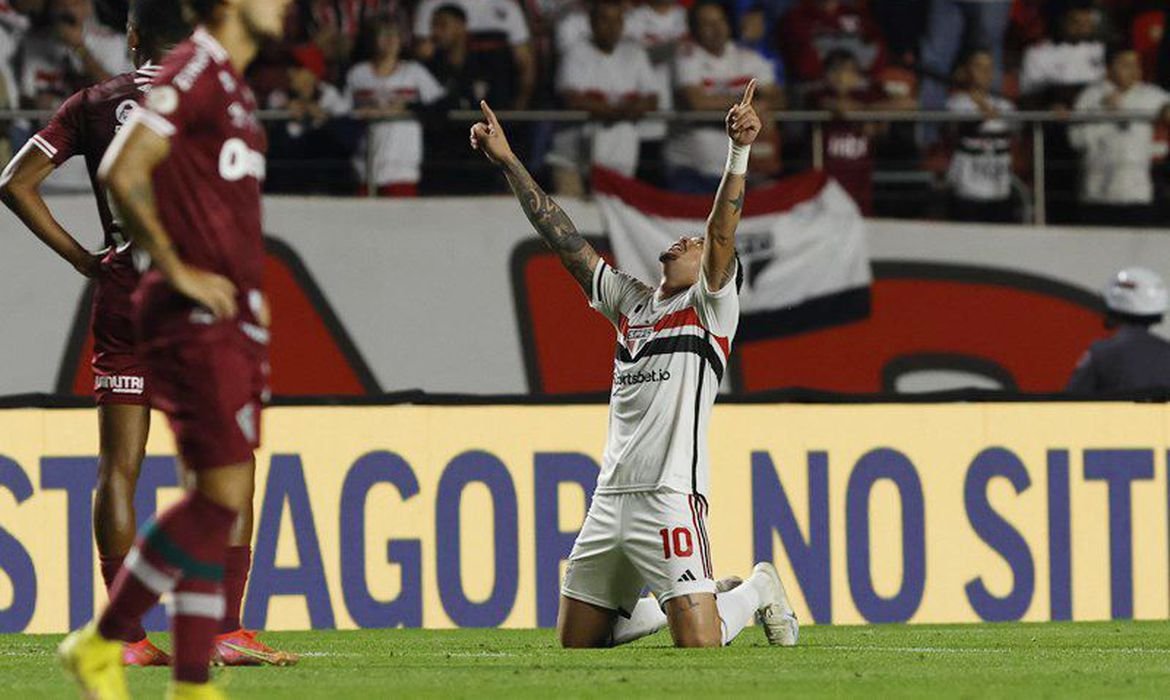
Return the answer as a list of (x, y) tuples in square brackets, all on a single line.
[(1133, 359)]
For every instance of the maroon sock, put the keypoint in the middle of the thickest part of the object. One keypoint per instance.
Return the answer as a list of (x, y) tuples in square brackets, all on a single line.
[(196, 609), (110, 567), (235, 580), (182, 551)]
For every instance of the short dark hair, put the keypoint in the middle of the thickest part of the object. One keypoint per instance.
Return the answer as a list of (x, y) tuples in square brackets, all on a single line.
[(693, 15), (453, 10), (202, 10), (596, 5), (1115, 49), (160, 24), (839, 57)]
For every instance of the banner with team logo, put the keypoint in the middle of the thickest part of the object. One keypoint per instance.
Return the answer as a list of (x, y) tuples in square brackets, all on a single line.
[(802, 243), (463, 516)]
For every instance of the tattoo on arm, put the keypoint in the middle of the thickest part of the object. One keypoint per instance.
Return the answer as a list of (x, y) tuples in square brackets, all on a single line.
[(553, 225), (737, 203)]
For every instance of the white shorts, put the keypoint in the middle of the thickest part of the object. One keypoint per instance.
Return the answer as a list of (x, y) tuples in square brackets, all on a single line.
[(632, 540)]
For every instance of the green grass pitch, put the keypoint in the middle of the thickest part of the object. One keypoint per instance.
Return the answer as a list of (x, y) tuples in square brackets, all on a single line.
[(994, 660)]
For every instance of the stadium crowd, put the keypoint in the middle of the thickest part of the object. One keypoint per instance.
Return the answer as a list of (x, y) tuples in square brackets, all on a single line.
[(406, 63)]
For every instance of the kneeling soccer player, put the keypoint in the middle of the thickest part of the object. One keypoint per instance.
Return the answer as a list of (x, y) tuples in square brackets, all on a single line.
[(647, 524)]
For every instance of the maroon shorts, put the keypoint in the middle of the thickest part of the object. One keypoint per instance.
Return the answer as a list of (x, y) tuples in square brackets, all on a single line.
[(211, 385), (119, 376)]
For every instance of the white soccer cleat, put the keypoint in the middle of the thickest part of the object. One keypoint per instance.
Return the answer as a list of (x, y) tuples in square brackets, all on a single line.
[(775, 613)]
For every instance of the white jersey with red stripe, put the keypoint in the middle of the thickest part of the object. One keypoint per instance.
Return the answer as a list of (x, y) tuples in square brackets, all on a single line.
[(670, 360)]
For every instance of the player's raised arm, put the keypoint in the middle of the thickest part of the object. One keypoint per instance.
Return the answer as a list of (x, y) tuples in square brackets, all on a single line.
[(20, 190), (126, 172), (743, 125), (546, 216)]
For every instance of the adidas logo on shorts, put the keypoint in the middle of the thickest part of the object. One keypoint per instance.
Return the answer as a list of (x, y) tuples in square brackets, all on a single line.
[(687, 576)]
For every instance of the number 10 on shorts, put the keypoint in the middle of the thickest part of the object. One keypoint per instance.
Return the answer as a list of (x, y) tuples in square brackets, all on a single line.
[(677, 540)]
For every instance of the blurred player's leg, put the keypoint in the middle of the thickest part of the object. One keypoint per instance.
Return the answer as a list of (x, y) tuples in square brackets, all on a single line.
[(181, 552), (123, 429), (234, 645), (198, 605)]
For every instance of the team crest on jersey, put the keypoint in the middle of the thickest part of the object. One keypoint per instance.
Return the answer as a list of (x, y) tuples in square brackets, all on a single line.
[(124, 110), (636, 337)]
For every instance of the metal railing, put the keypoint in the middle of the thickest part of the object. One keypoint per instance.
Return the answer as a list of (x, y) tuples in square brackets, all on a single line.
[(817, 120)]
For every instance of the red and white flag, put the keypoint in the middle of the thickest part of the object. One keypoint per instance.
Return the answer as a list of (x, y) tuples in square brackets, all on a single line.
[(801, 242)]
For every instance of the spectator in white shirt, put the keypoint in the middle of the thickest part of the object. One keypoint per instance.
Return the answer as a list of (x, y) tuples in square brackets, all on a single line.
[(659, 25), (710, 74), (387, 86), (1054, 72), (69, 51), (1116, 184), (494, 25), (980, 174), (610, 78)]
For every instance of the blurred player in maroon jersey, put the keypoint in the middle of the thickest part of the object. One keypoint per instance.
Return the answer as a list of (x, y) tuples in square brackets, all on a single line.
[(186, 175), (84, 125)]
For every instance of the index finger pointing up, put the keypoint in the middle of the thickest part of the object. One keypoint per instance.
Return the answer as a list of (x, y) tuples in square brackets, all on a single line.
[(488, 114), (749, 94)]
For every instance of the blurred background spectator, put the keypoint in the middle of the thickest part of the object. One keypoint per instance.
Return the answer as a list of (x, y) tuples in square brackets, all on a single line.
[(1116, 185), (14, 23), (710, 73), (848, 148), (543, 54), (311, 152), (66, 49), (814, 28), (660, 26), (1053, 73), (952, 26), (467, 75), (494, 27), (385, 86), (1055, 70), (980, 174), (610, 78), (335, 26)]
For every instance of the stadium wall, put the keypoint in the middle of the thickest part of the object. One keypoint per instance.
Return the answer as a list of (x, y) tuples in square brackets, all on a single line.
[(400, 291), (442, 516)]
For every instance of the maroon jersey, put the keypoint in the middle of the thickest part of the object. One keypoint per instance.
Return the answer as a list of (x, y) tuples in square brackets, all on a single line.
[(86, 123), (848, 151), (208, 189)]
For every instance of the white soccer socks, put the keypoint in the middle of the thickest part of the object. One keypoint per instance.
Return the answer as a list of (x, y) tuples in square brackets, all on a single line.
[(646, 619), (739, 605)]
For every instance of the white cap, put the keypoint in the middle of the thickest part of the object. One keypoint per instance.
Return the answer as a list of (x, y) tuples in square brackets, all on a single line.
[(1136, 291)]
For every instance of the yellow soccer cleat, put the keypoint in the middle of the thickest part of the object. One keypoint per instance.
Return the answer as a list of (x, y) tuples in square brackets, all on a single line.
[(95, 663), (178, 690)]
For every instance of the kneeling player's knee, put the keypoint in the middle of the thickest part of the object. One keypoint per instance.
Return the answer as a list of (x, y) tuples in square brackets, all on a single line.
[(688, 640), (573, 639)]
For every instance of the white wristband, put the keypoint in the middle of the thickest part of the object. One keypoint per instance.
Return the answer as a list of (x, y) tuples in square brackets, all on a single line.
[(737, 158)]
